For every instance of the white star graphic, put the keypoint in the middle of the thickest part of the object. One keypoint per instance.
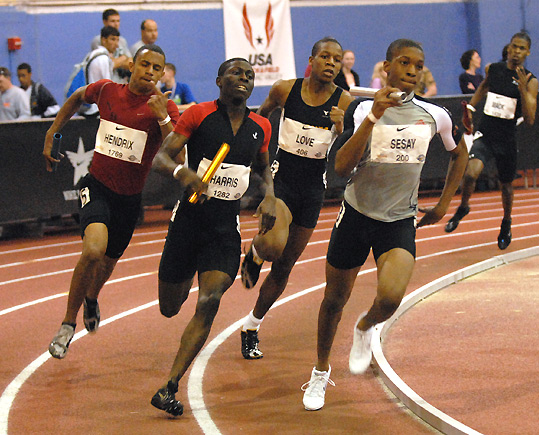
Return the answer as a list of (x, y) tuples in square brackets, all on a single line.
[(80, 161)]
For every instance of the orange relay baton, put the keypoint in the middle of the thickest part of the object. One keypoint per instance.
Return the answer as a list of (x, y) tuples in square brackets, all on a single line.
[(212, 169)]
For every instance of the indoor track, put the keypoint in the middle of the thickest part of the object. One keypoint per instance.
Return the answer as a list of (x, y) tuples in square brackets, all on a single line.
[(105, 383)]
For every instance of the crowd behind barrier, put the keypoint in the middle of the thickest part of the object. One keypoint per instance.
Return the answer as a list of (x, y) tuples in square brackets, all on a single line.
[(31, 194)]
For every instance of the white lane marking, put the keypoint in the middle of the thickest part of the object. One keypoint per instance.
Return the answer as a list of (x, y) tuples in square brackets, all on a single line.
[(395, 383), (142, 257), (58, 295), (194, 386), (29, 304), (478, 202), (8, 396), (46, 299), (58, 272), (318, 230)]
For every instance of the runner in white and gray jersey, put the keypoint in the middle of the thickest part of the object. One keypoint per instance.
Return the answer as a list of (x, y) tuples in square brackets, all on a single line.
[(384, 157), (385, 183)]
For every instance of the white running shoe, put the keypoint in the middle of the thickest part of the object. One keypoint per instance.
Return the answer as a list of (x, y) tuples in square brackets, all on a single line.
[(315, 390), (361, 352), (60, 343)]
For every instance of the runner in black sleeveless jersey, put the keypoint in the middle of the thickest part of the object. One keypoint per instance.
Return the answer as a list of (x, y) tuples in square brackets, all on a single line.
[(511, 92), (311, 120), (204, 237)]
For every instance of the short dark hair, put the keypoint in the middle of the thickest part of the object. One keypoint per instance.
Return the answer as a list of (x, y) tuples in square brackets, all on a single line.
[(171, 66), (108, 13), (318, 44), (504, 52), (466, 58), (109, 31), (399, 44), (143, 25), (523, 35), (5, 72), (224, 66), (25, 66), (150, 47)]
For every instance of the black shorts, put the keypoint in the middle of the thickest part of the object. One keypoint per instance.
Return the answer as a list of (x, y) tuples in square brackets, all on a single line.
[(354, 234), (191, 246), (304, 204), (99, 204), (504, 154)]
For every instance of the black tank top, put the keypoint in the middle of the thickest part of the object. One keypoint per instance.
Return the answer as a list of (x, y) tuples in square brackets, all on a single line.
[(503, 81), (296, 170)]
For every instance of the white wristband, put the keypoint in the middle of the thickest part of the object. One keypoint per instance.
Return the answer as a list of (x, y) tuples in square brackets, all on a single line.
[(164, 121), (176, 170), (470, 107), (372, 118)]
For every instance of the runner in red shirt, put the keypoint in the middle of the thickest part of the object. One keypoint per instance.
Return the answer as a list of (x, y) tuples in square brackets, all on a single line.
[(135, 118)]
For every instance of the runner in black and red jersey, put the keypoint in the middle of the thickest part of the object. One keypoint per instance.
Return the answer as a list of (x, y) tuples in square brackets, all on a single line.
[(134, 120), (204, 237)]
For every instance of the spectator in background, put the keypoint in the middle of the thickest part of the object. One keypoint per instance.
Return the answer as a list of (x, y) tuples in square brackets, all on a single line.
[(379, 76), (42, 103), (427, 85), (14, 103), (347, 76), (470, 79), (122, 55), (148, 35), (180, 92), (102, 64)]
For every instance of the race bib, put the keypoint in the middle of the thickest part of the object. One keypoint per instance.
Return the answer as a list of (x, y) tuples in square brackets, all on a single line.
[(305, 140), (120, 142), (500, 106), (229, 182), (400, 143)]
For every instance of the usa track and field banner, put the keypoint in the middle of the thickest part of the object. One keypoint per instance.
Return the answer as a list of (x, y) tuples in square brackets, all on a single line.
[(261, 32)]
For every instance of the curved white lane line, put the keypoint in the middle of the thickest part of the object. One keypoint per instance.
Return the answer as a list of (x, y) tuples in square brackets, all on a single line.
[(435, 254), (34, 302), (59, 295), (479, 202), (8, 395), (194, 385), (398, 387), (194, 382)]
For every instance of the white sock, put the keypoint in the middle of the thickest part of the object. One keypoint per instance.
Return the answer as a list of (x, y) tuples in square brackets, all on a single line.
[(258, 260), (321, 373), (252, 323)]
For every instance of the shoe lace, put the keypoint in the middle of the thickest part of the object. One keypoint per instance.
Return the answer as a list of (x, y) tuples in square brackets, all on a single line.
[(64, 335), (317, 384), (252, 340)]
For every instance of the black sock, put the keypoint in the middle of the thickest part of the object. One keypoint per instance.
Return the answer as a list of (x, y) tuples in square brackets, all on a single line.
[(70, 324), (91, 303)]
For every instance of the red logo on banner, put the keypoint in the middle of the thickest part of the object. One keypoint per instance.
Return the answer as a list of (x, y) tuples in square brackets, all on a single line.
[(249, 30), (269, 26)]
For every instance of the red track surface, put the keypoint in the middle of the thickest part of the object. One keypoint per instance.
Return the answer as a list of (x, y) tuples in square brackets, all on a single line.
[(105, 383)]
